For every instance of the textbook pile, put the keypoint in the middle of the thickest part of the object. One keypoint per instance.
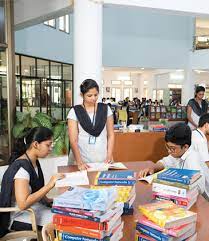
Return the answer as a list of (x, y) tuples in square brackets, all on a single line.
[(177, 185), (165, 221), (125, 184), (83, 214)]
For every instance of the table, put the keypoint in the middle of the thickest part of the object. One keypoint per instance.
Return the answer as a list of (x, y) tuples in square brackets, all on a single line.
[(139, 146), (144, 195)]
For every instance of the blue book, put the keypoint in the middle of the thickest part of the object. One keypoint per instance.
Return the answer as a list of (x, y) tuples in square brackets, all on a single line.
[(184, 176), (75, 215), (117, 178), (151, 232), (71, 237)]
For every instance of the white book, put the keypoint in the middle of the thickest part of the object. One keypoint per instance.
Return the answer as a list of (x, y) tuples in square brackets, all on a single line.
[(93, 167), (73, 179)]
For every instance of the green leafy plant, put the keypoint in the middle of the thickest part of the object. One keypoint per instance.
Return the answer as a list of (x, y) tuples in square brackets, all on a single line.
[(24, 122)]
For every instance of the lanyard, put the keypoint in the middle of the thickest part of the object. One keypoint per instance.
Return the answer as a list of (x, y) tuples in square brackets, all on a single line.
[(200, 133), (94, 116)]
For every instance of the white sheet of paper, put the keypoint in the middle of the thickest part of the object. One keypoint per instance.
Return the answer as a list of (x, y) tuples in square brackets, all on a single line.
[(148, 179), (73, 179), (97, 167), (117, 165)]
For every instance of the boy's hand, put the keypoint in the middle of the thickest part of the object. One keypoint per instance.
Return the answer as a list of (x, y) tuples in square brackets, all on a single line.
[(145, 172)]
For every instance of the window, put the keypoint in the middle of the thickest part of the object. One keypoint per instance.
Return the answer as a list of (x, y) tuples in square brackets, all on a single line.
[(43, 85), (51, 23), (116, 93), (116, 82), (64, 23), (128, 82), (128, 92)]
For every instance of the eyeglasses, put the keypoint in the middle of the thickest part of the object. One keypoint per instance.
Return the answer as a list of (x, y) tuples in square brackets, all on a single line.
[(171, 148)]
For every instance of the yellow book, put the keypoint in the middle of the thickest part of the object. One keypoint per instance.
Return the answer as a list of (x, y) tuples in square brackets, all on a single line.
[(167, 214)]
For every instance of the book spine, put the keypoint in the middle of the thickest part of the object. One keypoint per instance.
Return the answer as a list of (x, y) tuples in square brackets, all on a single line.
[(180, 185), (70, 237), (116, 182), (152, 233), (69, 221), (81, 231), (175, 200), (75, 215), (78, 211), (173, 179), (169, 190)]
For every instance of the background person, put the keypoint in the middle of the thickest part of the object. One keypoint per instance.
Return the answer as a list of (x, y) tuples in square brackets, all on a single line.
[(91, 129), (23, 183), (196, 107)]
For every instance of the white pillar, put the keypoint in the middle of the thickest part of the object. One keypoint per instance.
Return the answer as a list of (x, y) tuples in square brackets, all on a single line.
[(87, 44), (188, 86)]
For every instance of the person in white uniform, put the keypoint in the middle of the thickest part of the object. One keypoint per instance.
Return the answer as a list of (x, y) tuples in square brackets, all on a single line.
[(23, 182), (199, 140), (91, 128), (196, 107), (181, 155)]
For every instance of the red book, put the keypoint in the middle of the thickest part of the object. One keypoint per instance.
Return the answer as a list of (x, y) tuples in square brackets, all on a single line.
[(82, 223)]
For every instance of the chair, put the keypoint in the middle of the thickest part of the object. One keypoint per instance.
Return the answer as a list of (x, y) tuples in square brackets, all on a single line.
[(48, 232), (29, 234), (122, 116)]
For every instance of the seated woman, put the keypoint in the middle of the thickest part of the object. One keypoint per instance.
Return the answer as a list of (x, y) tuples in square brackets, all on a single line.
[(23, 183)]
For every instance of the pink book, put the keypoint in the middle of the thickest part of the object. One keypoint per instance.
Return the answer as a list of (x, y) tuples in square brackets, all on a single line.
[(175, 232)]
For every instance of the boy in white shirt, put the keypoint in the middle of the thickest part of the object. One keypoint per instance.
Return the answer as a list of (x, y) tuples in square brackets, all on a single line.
[(199, 140), (181, 155)]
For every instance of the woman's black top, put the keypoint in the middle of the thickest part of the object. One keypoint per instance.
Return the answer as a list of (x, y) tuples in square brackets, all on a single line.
[(7, 186)]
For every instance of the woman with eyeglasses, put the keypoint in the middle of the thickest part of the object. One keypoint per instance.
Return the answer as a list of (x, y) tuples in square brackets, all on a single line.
[(23, 182), (196, 107), (91, 130)]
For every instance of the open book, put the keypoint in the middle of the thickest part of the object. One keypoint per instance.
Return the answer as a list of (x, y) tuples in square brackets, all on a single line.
[(106, 166), (73, 179), (149, 179)]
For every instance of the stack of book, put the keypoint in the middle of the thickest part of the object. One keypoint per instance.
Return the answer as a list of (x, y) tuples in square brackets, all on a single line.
[(177, 185), (158, 128), (125, 182), (83, 214), (165, 221)]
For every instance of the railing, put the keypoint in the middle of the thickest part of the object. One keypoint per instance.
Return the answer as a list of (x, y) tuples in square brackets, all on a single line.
[(201, 42)]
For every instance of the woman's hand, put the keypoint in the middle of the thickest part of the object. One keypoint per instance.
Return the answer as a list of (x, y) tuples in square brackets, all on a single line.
[(54, 178), (82, 166), (109, 159)]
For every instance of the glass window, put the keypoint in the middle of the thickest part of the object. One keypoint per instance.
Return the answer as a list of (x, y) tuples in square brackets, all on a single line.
[(4, 141), (56, 99), (42, 68), (56, 71), (28, 66), (116, 93), (2, 22), (128, 92), (68, 94), (67, 72), (18, 92), (3, 63), (116, 82), (128, 82), (30, 92), (64, 23), (17, 64), (51, 23)]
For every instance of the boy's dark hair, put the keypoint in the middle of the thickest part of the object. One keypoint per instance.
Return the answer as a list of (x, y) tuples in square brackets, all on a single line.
[(203, 120), (179, 134), (87, 85), (199, 88)]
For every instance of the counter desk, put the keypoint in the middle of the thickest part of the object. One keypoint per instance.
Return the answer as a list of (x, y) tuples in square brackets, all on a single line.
[(139, 146)]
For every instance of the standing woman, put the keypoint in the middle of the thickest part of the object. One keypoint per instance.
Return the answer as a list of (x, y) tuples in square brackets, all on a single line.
[(196, 107), (91, 130)]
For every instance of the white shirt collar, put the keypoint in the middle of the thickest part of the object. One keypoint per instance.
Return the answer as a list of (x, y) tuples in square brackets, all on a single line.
[(186, 154), (203, 135)]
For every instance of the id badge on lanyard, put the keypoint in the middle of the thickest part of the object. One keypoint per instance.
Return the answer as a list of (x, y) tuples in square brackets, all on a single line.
[(92, 140)]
